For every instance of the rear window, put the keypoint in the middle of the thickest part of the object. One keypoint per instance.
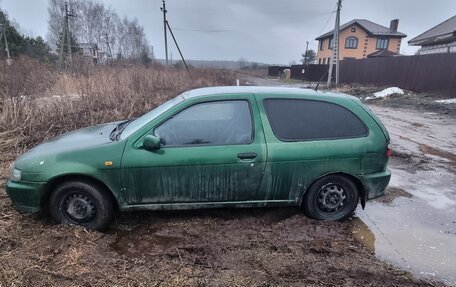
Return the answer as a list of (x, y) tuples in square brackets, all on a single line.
[(302, 120)]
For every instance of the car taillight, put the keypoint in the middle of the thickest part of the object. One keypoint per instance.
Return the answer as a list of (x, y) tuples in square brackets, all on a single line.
[(389, 152)]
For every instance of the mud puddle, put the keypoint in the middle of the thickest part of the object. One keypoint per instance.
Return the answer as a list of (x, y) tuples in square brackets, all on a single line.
[(410, 234)]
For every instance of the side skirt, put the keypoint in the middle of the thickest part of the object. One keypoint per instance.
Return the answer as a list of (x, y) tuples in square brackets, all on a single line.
[(203, 205)]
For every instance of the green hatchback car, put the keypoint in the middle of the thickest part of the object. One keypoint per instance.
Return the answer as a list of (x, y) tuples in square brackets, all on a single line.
[(212, 147)]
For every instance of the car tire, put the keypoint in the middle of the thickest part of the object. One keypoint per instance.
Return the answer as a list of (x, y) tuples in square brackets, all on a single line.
[(333, 197), (82, 203)]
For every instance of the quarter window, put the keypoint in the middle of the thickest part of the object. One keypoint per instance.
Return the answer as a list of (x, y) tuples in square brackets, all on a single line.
[(303, 120), (382, 43), (351, 43), (211, 123)]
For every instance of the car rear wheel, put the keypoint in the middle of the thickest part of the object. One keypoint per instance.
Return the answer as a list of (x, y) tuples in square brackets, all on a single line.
[(81, 203), (332, 197)]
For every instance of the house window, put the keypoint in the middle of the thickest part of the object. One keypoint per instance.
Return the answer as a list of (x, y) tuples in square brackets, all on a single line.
[(353, 29), (382, 43), (329, 60), (321, 45), (319, 61), (351, 43), (330, 43)]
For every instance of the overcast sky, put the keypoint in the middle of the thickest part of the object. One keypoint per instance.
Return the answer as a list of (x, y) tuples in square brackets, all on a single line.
[(269, 31)]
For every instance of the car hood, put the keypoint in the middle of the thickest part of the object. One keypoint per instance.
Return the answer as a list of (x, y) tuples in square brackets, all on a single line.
[(81, 139)]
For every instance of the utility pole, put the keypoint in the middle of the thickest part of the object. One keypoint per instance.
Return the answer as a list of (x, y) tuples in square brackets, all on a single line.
[(8, 58), (62, 40), (174, 39), (163, 9), (109, 48), (65, 34), (305, 60), (335, 54), (305, 54)]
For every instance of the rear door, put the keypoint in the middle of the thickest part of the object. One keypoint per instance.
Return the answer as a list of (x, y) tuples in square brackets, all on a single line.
[(213, 150)]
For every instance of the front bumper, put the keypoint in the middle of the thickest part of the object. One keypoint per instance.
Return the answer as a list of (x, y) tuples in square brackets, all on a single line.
[(375, 184), (26, 196)]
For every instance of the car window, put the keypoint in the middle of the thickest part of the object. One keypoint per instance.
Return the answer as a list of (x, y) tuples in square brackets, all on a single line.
[(211, 123), (146, 118), (300, 120)]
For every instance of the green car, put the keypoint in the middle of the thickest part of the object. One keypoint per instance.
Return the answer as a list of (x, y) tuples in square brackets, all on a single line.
[(212, 147)]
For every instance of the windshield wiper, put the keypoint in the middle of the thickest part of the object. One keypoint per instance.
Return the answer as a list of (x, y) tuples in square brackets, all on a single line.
[(115, 134)]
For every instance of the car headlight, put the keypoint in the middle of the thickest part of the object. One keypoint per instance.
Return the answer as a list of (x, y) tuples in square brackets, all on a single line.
[(16, 174)]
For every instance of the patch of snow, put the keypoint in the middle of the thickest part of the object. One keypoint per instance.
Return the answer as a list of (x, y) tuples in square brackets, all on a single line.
[(386, 93), (447, 101)]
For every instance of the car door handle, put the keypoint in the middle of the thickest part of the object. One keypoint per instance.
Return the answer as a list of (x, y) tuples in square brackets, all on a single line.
[(247, 155)]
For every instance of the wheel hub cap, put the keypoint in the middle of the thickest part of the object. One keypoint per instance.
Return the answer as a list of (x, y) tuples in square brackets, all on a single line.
[(79, 207), (331, 198)]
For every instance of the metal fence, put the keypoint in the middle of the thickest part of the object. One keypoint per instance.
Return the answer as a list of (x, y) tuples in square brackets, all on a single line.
[(434, 73)]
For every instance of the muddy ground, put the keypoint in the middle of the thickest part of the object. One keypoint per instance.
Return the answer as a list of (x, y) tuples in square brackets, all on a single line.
[(257, 247), (227, 247)]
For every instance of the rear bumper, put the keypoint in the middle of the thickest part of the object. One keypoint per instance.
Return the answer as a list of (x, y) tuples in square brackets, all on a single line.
[(26, 196), (375, 184)]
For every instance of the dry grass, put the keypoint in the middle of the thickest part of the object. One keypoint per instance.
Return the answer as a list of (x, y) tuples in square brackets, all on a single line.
[(37, 103)]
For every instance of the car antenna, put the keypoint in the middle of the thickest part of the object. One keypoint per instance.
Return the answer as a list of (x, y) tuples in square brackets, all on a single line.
[(321, 79)]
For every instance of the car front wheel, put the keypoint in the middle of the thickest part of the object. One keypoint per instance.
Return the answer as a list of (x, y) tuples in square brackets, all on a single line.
[(332, 197), (81, 203)]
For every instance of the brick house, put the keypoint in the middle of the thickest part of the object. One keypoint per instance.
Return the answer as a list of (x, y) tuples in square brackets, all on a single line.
[(360, 38), (439, 39)]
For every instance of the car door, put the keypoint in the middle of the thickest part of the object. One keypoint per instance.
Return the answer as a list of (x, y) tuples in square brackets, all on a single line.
[(212, 150)]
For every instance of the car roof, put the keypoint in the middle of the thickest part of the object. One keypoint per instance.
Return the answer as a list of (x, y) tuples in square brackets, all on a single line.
[(258, 90)]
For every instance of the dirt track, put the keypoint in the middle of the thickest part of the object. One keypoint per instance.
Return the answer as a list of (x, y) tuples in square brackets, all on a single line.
[(256, 247)]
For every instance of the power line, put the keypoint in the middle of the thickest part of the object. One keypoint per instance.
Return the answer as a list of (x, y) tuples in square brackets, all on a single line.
[(234, 31), (329, 18)]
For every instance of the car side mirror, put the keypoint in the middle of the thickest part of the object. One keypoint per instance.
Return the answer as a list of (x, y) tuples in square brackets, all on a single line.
[(151, 142)]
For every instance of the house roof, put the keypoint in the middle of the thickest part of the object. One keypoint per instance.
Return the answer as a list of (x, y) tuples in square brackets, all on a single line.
[(371, 27), (443, 32)]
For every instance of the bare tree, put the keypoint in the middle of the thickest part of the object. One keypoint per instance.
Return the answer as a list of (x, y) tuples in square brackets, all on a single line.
[(96, 24)]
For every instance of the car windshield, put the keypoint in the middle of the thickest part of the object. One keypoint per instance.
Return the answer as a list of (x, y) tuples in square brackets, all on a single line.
[(146, 118)]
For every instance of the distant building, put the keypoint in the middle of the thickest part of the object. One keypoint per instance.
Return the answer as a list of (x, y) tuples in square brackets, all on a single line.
[(359, 38), (440, 39), (90, 51)]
